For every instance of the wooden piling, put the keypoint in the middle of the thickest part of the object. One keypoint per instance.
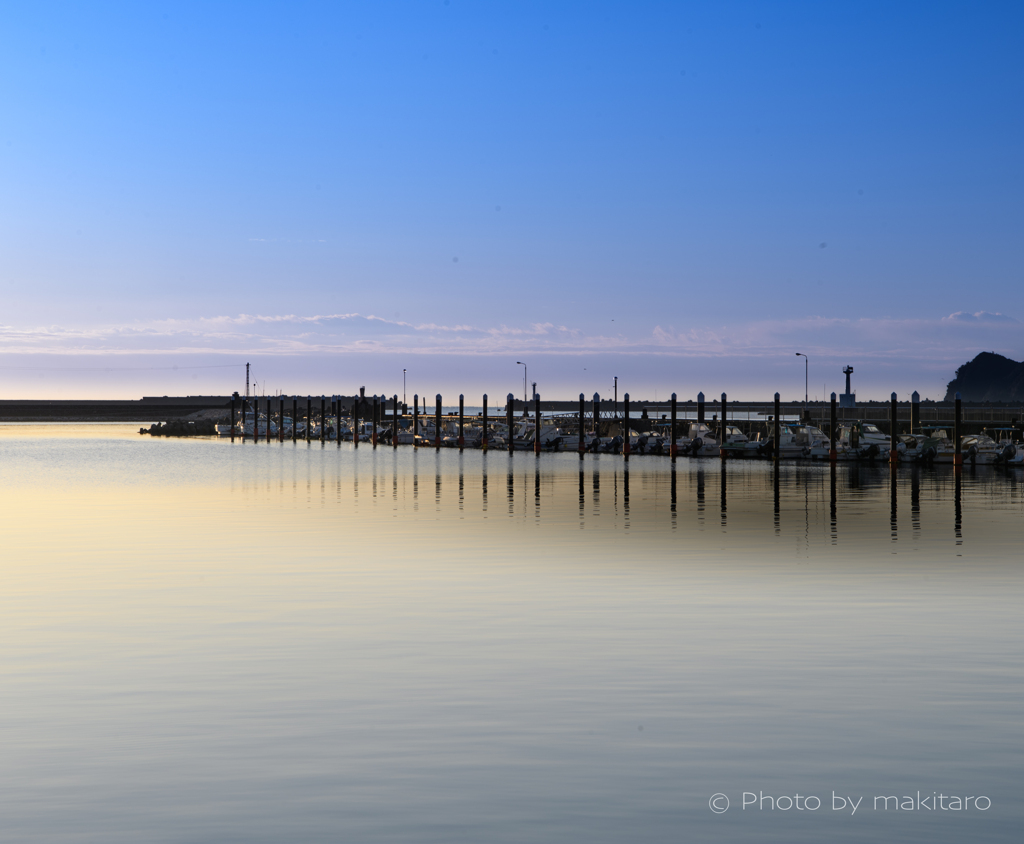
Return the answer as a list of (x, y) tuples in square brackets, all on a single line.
[(721, 439), (355, 421), (280, 427), (778, 430), (337, 419), (415, 420), (832, 456), (893, 431), (700, 407), (255, 419), (672, 447), (462, 410), (483, 439), (309, 418), (234, 398), (536, 408), (437, 423), (625, 426), (508, 421), (394, 423), (295, 417), (376, 420), (323, 417), (597, 416), (581, 446), (958, 456), (915, 413)]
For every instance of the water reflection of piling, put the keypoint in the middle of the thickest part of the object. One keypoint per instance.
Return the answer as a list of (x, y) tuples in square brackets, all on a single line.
[(775, 483), (625, 496), (582, 499), (722, 475), (672, 498), (832, 499), (957, 511), (892, 503), (536, 489), (915, 499)]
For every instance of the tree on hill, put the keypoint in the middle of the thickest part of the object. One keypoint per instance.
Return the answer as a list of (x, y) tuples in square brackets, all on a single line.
[(988, 378)]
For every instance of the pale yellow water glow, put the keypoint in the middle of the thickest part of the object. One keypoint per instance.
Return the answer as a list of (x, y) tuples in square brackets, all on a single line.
[(202, 640)]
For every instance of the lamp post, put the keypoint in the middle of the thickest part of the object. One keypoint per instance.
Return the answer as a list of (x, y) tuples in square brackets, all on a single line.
[(525, 399), (802, 355)]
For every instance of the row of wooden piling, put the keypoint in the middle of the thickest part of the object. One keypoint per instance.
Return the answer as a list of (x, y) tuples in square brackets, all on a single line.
[(378, 412)]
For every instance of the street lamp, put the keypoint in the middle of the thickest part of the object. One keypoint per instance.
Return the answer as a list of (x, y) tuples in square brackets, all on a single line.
[(523, 365), (802, 355)]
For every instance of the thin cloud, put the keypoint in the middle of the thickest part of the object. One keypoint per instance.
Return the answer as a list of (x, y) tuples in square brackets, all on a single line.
[(953, 338), (978, 316)]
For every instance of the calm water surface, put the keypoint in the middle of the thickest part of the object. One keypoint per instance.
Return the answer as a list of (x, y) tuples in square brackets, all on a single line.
[(202, 641)]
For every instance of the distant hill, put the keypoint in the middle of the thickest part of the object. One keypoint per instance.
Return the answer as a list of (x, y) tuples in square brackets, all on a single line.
[(988, 378)]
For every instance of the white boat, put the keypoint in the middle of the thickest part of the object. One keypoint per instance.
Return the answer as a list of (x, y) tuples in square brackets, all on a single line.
[(699, 441), (1011, 453)]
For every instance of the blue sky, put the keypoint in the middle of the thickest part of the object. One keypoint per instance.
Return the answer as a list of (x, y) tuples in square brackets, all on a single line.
[(679, 194)]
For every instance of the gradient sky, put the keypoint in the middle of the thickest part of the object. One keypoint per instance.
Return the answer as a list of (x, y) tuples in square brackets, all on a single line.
[(679, 194)]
